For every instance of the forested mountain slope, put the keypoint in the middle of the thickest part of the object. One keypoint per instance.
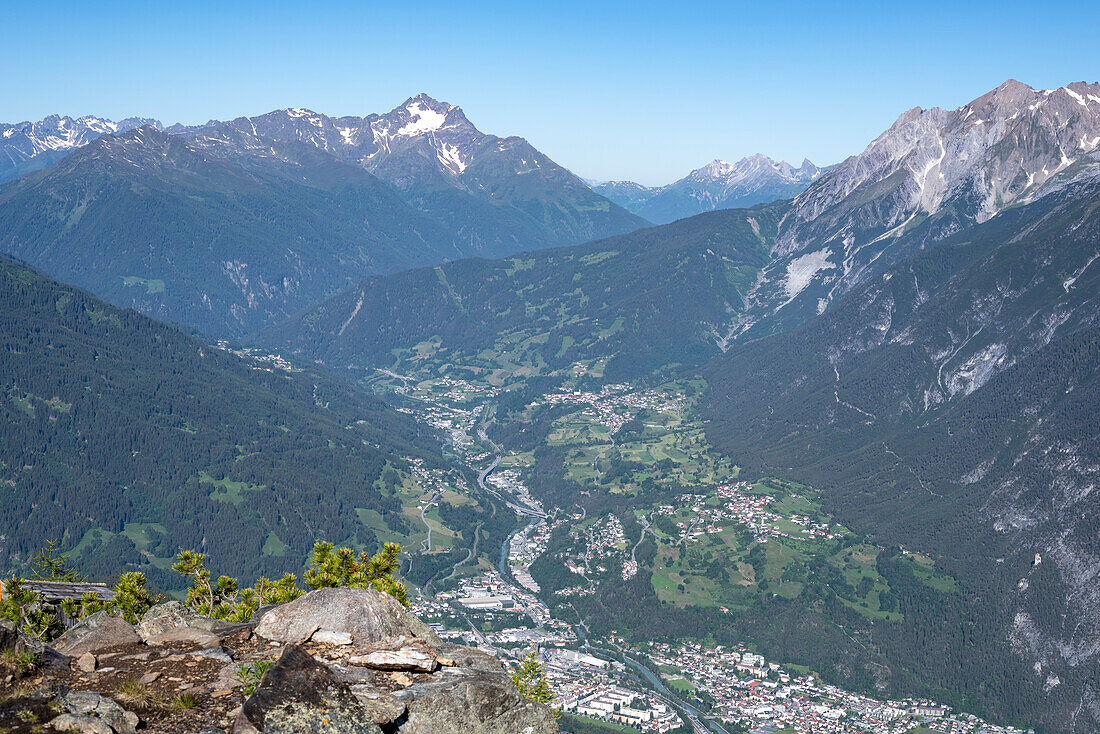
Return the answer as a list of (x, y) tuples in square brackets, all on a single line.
[(950, 405), (128, 440), (645, 300), (181, 232)]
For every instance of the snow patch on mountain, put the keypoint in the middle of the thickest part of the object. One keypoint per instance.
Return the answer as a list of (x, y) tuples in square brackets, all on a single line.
[(450, 157), (424, 120), (801, 271), (349, 134)]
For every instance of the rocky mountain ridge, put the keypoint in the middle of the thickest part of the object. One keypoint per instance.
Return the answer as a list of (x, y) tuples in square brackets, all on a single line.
[(29, 146), (498, 195), (756, 179), (230, 226), (931, 174)]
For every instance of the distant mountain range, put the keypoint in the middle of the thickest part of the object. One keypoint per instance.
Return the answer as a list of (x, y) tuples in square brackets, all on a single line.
[(29, 146), (644, 300), (718, 185), (496, 195), (893, 200), (231, 226), (225, 245)]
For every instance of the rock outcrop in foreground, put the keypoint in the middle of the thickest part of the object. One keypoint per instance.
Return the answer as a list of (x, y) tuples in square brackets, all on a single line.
[(347, 661)]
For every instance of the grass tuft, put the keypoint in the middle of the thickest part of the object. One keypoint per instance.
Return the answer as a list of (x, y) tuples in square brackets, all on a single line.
[(250, 675), (18, 664), (185, 701), (135, 694)]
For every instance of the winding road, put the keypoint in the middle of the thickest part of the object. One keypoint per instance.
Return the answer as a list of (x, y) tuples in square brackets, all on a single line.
[(645, 527), (427, 546)]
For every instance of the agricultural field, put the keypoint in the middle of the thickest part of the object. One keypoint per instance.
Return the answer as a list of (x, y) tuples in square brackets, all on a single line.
[(720, 541)]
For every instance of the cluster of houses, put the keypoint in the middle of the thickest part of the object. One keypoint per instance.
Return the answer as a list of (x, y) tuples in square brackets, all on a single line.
[(742, 507), (525, 638), (510, 482), (456, 423), (530, 543), (453, 389), (742, 686), (604, 538), (433, 480), (599, 543), (959, 725), (748, 690), (259, 359), (456, 406), (630, 569), (616, 404), (578, 590), (490, 592), (446, 405)]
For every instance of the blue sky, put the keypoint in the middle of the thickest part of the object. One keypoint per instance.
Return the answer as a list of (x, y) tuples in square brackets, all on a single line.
[(625, 90)]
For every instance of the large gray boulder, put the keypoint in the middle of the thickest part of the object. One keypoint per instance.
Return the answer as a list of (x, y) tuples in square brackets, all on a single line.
[(396, 653), (365, 615), (301, 694), (472, 701), (462, 656), (97, 632), (184, 635), (380, 707), (298, 694), (80, 724), (174, 622), (163, 618), (88, 709), (408, 658)]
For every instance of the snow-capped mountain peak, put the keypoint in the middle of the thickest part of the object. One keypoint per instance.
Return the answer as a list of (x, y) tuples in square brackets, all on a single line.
[(423, 119), (930, 174), (419, 130), (720, 184), (29, 146), (716, 169), (752, 171), (1012, 144), (299, 112)]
